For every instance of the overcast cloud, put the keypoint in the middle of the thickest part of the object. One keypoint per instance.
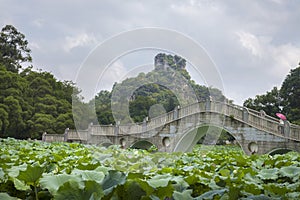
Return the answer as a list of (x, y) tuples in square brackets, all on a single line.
[(254, 44)]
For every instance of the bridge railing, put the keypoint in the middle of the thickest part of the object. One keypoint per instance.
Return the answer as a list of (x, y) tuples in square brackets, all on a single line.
[(53, 138), (130, 129), (254, 118), (234, 110), (295, 132), (159, 121), (77, 135), (103, 130), (258, 113), (170, 116), (156, 122), (191, 109), (264, 123)]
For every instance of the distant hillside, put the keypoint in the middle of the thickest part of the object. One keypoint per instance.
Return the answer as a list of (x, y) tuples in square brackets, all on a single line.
[(168, 85)]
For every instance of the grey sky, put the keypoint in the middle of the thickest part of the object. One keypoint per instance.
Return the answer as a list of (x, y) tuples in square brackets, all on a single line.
[(254, 44)]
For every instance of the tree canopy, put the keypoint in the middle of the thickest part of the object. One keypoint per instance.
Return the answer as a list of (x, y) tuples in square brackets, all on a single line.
[(14, 48), (285, 99), (290, 94), (31, 102)]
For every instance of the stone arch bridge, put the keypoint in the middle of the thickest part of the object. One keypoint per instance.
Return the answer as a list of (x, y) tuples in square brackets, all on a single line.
[(181, 129)]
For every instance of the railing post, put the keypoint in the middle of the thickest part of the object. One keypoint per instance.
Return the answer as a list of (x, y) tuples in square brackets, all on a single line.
[(144, 126), (66, 135), (117, 128), (286, 129), (89, 133), (44, 136), (245, 114), (175, 113), (208, 105)]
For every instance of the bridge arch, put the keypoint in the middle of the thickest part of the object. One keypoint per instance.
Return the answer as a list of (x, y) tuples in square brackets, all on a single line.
[(105, 144), (191, 137), (281, 151), (142, 144)]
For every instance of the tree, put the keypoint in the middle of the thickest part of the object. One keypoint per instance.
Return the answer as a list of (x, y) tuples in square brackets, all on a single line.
[(139, 107), (31, 102), (290, 92), (270, 102), (103, 107), (42, 123), (285, 100), (13, 48), (4, 120), (16, 123)]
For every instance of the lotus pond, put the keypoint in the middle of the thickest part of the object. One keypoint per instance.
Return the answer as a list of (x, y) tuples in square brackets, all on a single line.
[(37, 170)]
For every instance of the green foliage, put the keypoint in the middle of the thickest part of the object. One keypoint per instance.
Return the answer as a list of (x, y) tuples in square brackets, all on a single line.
[(177, 63), (13, 49), (165, 87), (285, 100), (103, 107), (5, 196), (75, 171), (269, 102), (290, 93), (31, 102), (140, 106)]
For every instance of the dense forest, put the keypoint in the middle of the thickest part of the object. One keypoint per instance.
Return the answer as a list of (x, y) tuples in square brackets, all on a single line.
[(34, 101), (31, 102)]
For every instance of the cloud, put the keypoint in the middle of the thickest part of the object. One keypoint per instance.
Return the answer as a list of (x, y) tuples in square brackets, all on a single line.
[(92, 79), (251, 43), (280, 57), (277, 1), (194, 9), (34, 46), (114, 73), (285, 57), (79, 40), (39, 23)]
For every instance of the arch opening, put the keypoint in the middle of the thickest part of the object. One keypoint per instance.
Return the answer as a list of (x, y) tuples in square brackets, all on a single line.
[(166, 141), (280, 151), (253, 147), (207, 135), (222, 139), (106, 144), (143, 144), (122, 142)]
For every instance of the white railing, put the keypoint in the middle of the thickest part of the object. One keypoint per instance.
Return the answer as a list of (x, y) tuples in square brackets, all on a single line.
[(77, 135), (53, 138), (295, 132)]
